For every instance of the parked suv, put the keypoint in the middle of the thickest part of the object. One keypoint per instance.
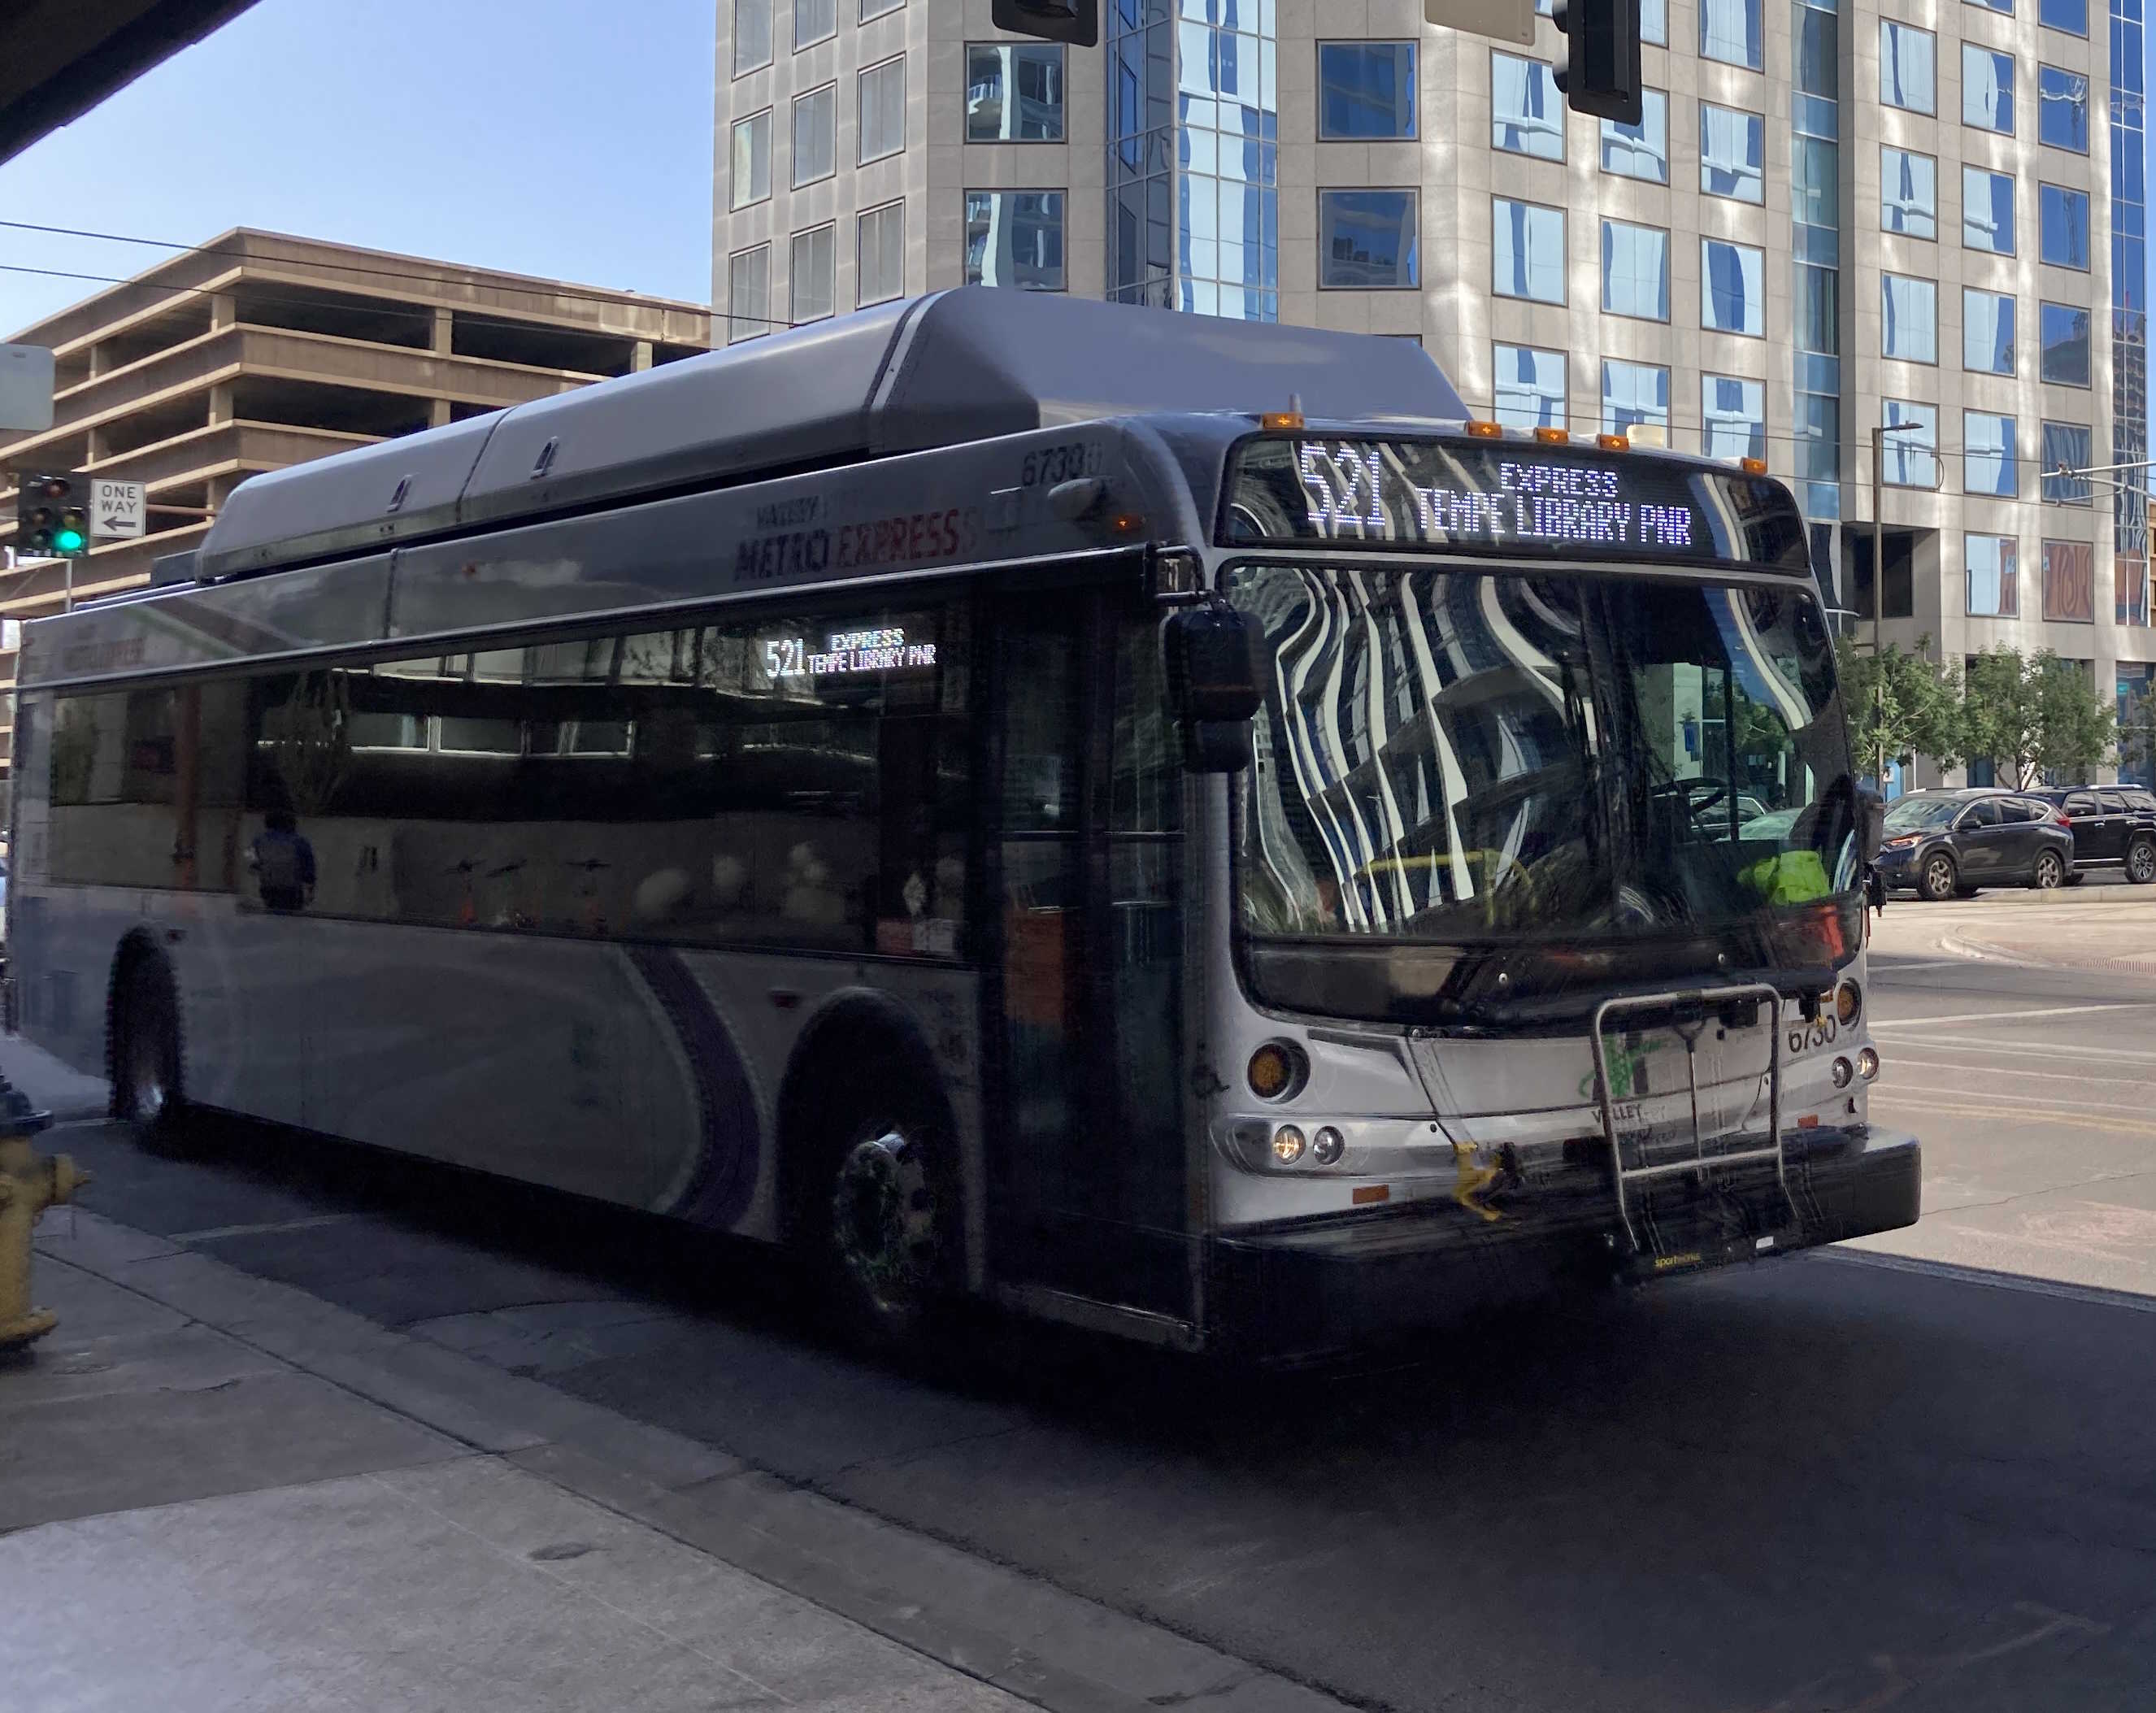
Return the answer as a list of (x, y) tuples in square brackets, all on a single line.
[(1948, 843), (2114, 827)]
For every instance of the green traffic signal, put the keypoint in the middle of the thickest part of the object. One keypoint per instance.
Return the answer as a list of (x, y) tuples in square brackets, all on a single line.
[(67, 541)]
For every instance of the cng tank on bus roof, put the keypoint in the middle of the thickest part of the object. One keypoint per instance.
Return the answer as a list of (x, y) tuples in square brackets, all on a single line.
[(937, 371)]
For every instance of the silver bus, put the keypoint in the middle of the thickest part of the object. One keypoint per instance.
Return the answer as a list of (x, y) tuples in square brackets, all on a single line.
[(1155, 822)]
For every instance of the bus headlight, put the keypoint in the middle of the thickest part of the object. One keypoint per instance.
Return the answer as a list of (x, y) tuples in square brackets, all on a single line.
[(1287, 1145), (1843, 1071), (1867, 1064), (1848, 1002), (1327, 1145)]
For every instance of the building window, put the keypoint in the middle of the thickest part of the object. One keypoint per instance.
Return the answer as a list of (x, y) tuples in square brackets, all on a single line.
[(1014, 92), (876, 8), (1992, 562), (1640, 150), (751, 35), (1655, 22), (1366, 240), (880, 255), (1526, 250), (751, 173), (749, 294), (1987, 88), (1908, 67), (2065, 226), (1912, 445), (1729, 31), (1910, 330), (1732, 288), (812, 273), (2070, 16), (1635, 270), (2070, 581), (2067, 447), (1989, 464), (1014, 237), (1987, 211), (1635, 395), (1530, 387), (883, 110), (2004, 8), (1732, 151), (2062, 109), (1732, 414), (815, 135), (813, 21), (1819, 437), (1366, 90), (2129, 605), (1527, 113), (2062, 332), (1818, 310), (1987, 331), (1814, 182), (1908, 193)]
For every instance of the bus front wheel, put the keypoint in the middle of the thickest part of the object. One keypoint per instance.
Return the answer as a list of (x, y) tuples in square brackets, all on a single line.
[(882, 1214), (146, 1081)]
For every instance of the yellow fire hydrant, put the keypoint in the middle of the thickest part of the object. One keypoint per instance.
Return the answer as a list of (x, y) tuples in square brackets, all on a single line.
[(30, 1183)]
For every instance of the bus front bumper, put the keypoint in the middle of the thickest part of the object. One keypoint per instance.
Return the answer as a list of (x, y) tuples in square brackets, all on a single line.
[(1346, 1280)]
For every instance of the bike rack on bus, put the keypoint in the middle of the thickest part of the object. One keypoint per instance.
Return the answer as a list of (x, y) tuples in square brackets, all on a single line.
[(1708, 1001)]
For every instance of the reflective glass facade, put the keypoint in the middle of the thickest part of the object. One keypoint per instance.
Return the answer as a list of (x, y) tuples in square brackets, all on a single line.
[(1815, 241), (1193, 145), (2129, 311)]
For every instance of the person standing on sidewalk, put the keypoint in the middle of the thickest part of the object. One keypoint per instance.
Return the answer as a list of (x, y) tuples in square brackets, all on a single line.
[(283, 863)]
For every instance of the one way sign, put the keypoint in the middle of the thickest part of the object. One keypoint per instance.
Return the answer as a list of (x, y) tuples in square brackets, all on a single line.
[(116, 509)]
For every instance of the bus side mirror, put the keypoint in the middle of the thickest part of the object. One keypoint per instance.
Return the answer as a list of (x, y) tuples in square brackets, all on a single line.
[(1216, 677), (1871, 824)]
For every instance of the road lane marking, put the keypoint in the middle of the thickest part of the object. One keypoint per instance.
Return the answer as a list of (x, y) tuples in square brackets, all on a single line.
[(2139, 1106), (270, 1227), (1990, 1017), (2110, 1127), (2025, 1283), (2015, 1050), (1879, 968), (1902, 1061)]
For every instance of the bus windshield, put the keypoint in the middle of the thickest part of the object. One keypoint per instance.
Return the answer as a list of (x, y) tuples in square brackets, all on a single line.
[(1475, 758)]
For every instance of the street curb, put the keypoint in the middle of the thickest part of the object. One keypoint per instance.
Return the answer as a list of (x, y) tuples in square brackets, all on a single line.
[(951, 1606)]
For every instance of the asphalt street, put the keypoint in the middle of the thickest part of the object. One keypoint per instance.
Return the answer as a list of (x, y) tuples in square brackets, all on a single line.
[(1915, 1475)]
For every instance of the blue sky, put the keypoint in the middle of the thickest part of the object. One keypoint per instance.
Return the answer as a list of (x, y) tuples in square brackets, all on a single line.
[(570, 139)]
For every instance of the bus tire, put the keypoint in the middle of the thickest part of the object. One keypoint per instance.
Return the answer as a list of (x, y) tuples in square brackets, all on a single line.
[(879, 1214), (147, 1075)]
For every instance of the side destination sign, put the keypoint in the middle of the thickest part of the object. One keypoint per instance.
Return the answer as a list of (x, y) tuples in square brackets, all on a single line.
[(795, 541), (1507, 497)]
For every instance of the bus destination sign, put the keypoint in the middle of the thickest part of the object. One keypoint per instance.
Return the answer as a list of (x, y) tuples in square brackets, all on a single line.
[(1504, 496)]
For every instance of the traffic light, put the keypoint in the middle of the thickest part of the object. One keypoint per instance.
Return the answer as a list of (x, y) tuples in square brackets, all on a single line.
[(50, 520), (1077, 22), (1599, 67)]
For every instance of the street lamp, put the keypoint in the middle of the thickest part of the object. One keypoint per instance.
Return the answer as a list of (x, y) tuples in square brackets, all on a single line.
[(1879, 596)]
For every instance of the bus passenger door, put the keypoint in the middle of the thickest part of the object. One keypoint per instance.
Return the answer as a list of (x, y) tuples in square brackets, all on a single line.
[(1086, 1151)]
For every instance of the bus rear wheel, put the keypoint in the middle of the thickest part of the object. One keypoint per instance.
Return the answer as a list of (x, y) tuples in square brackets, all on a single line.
[(882, 1214), (147, 1089)]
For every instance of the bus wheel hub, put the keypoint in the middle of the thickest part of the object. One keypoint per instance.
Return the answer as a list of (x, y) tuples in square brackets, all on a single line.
[(883, 1217)]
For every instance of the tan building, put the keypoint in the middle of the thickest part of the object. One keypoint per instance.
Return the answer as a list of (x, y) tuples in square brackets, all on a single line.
[(260, 350)]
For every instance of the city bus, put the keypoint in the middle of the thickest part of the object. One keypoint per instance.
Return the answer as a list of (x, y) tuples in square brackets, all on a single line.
[(1159, 823)]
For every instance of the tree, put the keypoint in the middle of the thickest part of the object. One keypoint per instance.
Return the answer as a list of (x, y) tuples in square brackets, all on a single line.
[(2034, 715), (1919, 713)]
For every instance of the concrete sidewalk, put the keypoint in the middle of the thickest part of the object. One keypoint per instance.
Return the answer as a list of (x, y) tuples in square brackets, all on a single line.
[(217, 1492), (64, 1093), (187, 1522)]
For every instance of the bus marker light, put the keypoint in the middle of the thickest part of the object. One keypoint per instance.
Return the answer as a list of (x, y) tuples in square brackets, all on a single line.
[(1276, 1069), (1552, 437), (1753, 466), (1848, 1001), (1368, 1194), (1127, 523), (1613, 442), (1277, 420), (1484, 431), (1287, 1145), (1327, 1145)]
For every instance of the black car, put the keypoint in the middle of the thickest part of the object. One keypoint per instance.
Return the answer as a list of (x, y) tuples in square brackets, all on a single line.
[(1947, 843), (2114, 827)]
